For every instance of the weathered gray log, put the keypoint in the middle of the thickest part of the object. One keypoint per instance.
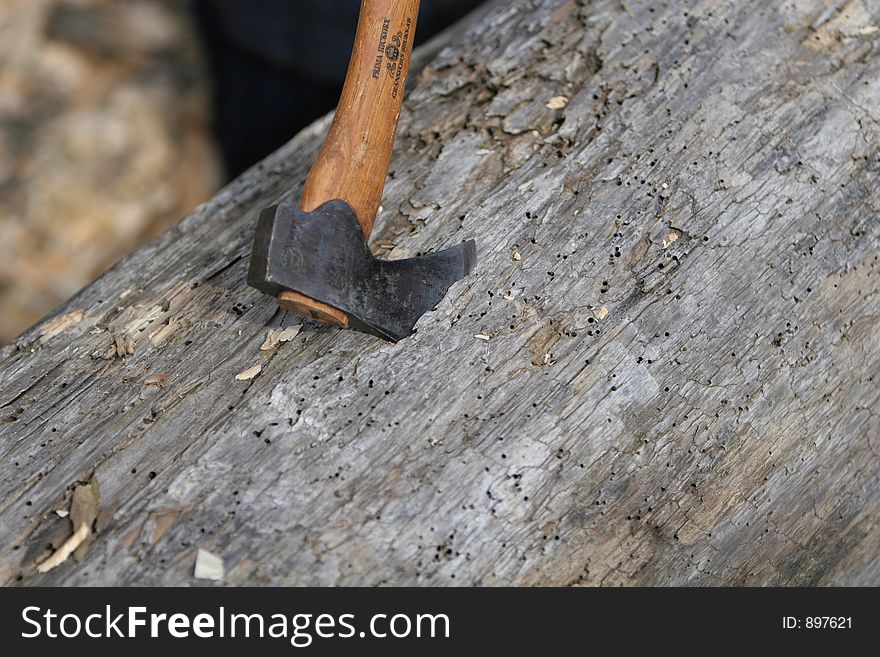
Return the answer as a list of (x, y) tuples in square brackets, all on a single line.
[(663, 372)]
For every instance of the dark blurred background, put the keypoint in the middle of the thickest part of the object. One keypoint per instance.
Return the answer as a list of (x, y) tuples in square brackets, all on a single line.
[(278, 65), (118, 117)]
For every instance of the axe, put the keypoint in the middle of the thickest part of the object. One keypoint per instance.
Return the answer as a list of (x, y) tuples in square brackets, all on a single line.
[(314, 257)]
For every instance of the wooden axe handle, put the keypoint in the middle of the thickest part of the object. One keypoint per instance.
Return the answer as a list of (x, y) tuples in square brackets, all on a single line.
[(353, 161)]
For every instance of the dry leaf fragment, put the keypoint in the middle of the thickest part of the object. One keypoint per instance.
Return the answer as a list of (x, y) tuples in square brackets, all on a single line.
[(249, 373), (208, 566), (60, 324), (557, 102), (277, 335)]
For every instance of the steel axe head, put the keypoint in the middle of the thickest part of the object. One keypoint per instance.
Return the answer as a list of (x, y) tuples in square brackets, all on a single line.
[(323, 255)]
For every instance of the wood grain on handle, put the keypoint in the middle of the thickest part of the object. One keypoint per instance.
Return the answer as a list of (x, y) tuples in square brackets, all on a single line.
[(353, 161)]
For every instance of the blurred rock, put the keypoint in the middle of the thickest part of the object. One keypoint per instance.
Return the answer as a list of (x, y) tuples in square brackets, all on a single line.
[(104, 141)]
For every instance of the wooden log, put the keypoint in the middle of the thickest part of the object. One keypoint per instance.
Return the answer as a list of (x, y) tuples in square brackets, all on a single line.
[(664, 370)]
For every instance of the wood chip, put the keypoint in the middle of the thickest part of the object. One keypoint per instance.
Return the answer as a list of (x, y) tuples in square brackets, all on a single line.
[(516, 255), (602, 313), (277, 335), (249, 373), (557, 102), (670, 238), (62, 513), (208, 566), (60, 555), (482, 336), (60, 324), (84, 511), (165, 331), (122, 346)]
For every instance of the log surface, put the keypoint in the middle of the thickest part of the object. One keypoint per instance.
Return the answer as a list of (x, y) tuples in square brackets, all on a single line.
[(664, 370)]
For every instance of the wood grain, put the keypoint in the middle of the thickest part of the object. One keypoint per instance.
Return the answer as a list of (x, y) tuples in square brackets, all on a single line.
[(677, 298)]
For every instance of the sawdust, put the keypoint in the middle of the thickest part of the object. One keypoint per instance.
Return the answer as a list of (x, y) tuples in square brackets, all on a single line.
[(249, 373)]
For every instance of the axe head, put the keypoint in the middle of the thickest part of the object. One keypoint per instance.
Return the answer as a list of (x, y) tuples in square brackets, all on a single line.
[(323, 254)]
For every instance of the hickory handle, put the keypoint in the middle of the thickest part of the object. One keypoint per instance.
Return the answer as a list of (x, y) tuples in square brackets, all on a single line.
[(353, 161)]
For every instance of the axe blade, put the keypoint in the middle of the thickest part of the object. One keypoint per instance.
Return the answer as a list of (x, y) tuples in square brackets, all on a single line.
[(323, 254)]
